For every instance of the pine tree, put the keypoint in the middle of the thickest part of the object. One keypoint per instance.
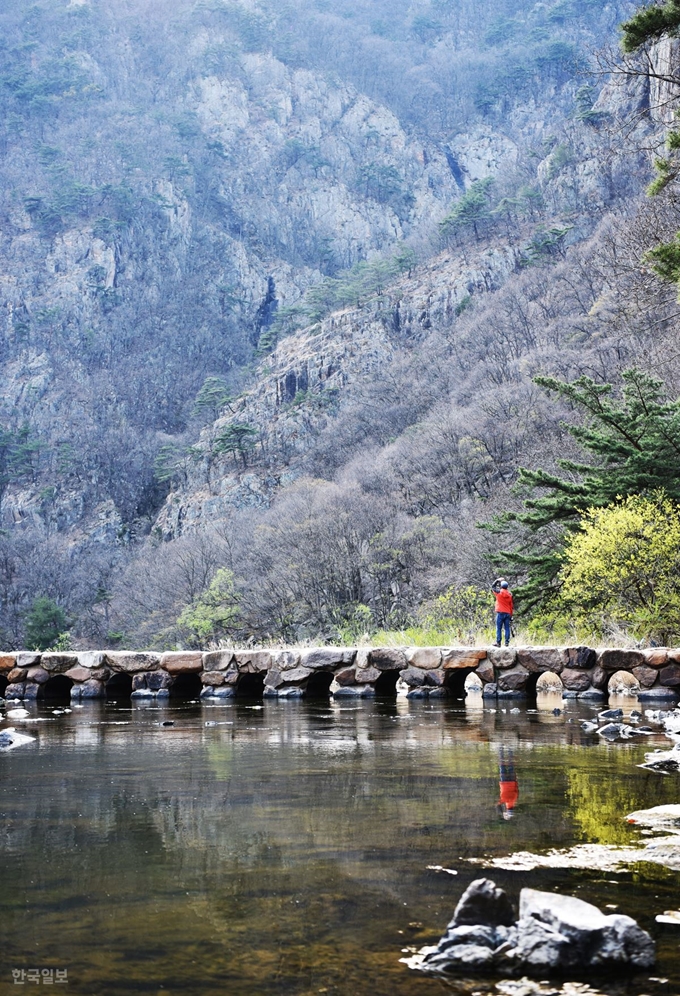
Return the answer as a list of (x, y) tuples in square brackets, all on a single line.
[(636, 445)]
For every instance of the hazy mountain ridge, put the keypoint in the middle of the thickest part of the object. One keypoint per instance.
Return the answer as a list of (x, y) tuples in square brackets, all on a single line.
[(169, 186)]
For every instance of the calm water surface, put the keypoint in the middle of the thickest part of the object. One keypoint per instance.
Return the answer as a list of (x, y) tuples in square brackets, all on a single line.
[(283, 848)]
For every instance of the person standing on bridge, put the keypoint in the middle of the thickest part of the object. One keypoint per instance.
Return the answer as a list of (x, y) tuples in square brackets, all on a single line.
[(504, 609)]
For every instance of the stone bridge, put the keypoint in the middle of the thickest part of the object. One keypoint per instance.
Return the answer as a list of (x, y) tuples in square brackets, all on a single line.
[(418, 672)]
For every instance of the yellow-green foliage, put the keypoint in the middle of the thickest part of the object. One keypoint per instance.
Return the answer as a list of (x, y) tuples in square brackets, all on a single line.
[(625, 564), (213, 615)]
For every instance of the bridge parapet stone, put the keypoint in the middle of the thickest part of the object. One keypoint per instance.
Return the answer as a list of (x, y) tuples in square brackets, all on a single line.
[(130, 661), (387, 659), (254, 661), (7, 663), (328, 658), (614, 659), (182, 662), (502, 659), (460, 657), (58, 663), (656, 657), (27, 658), (580, 657), (91, 659), (537, 660), (285, 660), (425, 657), (217, 660)]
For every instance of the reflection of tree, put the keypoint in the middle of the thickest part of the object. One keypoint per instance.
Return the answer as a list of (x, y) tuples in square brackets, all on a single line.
[(602, 797)]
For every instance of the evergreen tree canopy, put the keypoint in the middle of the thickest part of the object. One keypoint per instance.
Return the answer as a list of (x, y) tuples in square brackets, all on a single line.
[(649, 24), (636, 445)]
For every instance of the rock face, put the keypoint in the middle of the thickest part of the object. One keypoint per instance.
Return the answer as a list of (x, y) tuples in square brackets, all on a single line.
[(554, 935)]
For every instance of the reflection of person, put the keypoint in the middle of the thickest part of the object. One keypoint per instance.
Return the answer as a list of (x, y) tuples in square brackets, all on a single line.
[(508, 785), (504, 609)]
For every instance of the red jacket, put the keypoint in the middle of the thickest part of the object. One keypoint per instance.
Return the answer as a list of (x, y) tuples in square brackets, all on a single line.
[(504, 601)]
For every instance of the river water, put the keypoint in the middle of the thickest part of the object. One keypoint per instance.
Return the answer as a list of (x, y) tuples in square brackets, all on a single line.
[(294, 848)]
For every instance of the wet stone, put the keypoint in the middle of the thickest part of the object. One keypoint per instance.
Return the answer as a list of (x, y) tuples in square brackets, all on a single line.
[(575, 681), (669, 676), (15, 690)]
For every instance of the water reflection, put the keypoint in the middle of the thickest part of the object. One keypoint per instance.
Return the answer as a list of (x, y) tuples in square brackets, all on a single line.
[(291, 847)]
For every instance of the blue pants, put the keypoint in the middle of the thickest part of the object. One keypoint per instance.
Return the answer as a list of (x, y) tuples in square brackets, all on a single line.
[(503, 620)]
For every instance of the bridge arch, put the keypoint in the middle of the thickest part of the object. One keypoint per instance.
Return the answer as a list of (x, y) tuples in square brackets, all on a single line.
[(622, 683), (57, 689), (455, 681), (4, 682), (319, 685), (546, 683), (250, 686), (186, 687), (386, 684), (119, 687)]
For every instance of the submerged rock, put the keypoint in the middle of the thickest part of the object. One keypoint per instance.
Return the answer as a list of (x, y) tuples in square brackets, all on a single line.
[(554, 935)]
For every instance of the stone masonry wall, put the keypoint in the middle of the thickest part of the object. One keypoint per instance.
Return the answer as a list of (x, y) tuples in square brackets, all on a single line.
[(418, 672)]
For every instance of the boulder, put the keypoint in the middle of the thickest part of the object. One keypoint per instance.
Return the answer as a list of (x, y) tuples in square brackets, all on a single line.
[(669, 676), (290, 693), (158, 680), (367, 675), (77, 674), (599, 678), (514, 680), (58, 663), (215, 678), (224, 692), (91, 689), (485, 671), (595, 939), (38, 674), (346, 677), (537, 660), (425, 657), (462, 658), (483, 903), (27, 658), (91, 659), (619, 660), (285, 660), (554, 935), (139, 681), (253, 661), (353, 692), (388, 659), (490, 690), (7, 662), (327, 658), (130, 661), (657, 657), (180, 662), (503, 659), (15, 690), (414, 677), (231, 677), (217, 660), (575, 681), (435, 677), (580, 657), (273, 680), (31, 691), (297, 675), (17, 674)]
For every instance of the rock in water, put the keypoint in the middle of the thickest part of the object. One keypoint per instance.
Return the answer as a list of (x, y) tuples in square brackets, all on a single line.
[(9, 738), (594, 939), (554, 934), (483, 903)]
